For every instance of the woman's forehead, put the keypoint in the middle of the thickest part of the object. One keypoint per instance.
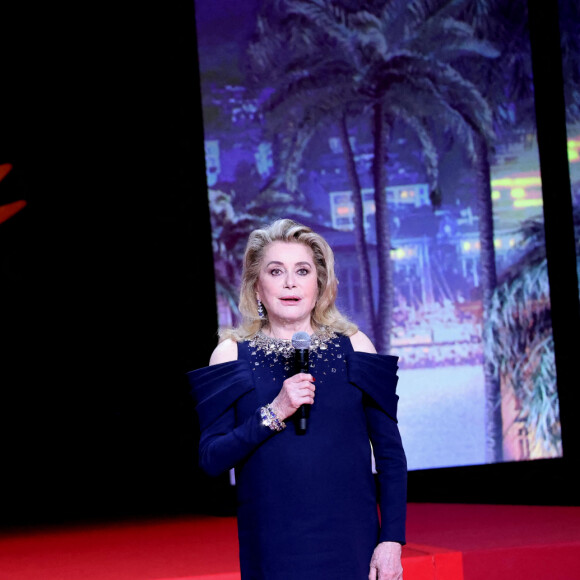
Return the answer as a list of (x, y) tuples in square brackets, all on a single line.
[(288, 252)]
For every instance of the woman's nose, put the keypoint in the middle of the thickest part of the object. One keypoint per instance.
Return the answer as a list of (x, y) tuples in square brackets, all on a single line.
[(289, 281)]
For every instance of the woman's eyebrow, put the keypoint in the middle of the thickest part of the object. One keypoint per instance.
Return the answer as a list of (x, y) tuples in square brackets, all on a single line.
[(277, 263)]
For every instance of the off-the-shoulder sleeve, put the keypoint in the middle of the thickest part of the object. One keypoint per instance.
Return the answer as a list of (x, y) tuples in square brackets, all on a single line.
[(224, 441), (376, 376), (218, 387)]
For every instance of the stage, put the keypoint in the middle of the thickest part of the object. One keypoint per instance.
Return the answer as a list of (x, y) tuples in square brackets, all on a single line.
[(445, 542)]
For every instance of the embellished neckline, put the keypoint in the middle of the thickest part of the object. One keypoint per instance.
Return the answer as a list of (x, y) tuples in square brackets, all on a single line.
[(283, 346)]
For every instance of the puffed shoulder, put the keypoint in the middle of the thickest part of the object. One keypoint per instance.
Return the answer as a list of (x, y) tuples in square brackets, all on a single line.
[(215, 388), (376, 375)]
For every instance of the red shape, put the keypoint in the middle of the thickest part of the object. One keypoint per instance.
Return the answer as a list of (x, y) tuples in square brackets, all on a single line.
[(5, 169), (9, 209)]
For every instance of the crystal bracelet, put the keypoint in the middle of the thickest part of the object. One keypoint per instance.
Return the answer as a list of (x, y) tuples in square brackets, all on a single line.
[(270, 419)]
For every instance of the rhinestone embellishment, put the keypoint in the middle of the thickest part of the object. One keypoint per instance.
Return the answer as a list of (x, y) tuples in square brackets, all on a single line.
[(284, 348)]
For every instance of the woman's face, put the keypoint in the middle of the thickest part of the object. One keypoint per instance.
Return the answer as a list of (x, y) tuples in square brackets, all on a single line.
[(287, 284)]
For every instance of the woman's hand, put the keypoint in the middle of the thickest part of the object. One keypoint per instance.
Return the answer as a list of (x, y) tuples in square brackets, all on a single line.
[(386, 562), (296, 391)]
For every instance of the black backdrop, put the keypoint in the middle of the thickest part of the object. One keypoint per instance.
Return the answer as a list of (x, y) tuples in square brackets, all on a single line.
[(107, 279)]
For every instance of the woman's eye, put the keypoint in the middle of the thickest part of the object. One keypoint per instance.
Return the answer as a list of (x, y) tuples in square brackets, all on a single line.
[(275, 271), (303, 272)]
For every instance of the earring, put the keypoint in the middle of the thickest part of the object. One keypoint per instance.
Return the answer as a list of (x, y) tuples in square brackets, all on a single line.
[(261, 312)]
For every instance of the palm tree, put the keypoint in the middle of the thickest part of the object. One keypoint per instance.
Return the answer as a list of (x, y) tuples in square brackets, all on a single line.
[(229, 229), (508, 87), (520, 344), (412, 81), (386, 61)]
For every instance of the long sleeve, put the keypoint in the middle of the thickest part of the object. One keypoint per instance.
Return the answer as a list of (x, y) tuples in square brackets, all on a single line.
[(225, 439), (376, 376)]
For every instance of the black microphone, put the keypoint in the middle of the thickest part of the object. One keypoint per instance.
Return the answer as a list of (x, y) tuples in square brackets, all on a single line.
[(301, 344)]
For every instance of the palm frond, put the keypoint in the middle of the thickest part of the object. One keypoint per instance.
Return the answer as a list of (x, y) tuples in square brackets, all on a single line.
[(520, 347)]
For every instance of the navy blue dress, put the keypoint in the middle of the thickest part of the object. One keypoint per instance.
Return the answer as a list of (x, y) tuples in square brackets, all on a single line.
[(307, 504)]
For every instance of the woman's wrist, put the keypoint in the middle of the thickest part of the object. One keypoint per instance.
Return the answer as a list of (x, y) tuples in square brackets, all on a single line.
[(277, 411)]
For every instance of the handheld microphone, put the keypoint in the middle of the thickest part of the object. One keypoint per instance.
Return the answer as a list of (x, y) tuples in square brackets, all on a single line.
[(301, 344)]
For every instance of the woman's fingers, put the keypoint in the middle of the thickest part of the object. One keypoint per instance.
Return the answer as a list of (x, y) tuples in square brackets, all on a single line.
[(296, 391), (301, 393)]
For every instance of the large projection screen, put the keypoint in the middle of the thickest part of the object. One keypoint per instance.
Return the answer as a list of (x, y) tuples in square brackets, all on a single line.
[(320, 111)]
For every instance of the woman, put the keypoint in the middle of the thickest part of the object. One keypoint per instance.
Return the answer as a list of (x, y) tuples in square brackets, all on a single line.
[(307, 503)]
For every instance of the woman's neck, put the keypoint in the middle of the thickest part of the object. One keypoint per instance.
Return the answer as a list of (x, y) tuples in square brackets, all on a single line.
[(286, 331)]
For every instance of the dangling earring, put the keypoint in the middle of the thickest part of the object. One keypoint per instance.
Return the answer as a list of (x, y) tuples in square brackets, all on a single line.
[(261, 313)]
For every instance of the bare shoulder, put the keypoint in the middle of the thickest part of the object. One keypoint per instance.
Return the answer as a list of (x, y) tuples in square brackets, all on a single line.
[(225, 351), (362, 343)]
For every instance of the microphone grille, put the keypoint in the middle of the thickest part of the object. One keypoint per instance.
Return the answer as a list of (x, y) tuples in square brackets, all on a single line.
[(301, 340)]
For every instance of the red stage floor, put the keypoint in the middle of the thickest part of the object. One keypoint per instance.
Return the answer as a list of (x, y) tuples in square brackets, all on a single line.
[(446, 542)]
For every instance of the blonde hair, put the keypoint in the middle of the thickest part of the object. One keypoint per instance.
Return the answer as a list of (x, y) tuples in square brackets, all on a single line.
[(325, 313)]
